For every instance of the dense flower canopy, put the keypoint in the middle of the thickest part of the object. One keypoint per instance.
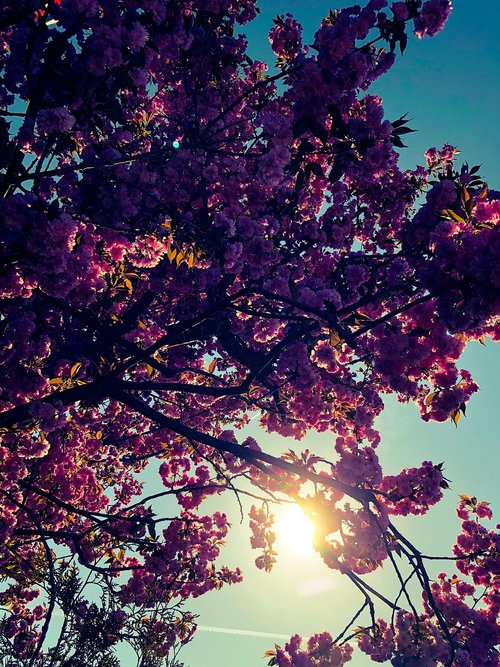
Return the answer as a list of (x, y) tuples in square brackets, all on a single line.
[(188, 241)]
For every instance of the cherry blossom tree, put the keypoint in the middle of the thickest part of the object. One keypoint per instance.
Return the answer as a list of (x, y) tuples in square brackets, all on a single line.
[(189, 241)]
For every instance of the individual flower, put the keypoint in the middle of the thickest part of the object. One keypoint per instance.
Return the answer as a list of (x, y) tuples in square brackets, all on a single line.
[(58, 119)]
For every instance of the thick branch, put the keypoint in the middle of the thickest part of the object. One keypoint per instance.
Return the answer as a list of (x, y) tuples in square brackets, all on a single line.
[(251, 456)]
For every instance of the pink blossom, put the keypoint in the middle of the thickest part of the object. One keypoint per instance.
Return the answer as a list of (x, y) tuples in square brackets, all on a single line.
[(58, 119)]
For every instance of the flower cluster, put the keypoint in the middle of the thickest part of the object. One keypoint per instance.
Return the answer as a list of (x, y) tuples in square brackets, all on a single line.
[(261, 522), (286, 37), (319, 651), (432, 17)]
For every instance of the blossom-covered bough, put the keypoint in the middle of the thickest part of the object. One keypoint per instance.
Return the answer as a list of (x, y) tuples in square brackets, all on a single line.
[(188, 241)]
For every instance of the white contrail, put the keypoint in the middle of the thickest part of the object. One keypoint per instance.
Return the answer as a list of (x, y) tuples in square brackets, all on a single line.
[(244, 633), (224, 631)]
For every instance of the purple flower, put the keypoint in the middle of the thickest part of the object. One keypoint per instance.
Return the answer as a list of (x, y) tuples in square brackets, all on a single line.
[(432, 17), (58, 119)]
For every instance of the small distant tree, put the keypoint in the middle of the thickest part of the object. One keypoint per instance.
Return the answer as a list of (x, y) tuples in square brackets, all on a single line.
[(188, 241)]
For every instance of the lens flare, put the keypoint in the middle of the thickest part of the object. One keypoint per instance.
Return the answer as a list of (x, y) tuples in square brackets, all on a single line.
[(294, 531)]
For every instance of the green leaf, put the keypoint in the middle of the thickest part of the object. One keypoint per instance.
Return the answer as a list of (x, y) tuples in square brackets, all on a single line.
[(451, 215), (152, 530), (75, 369), (128, 285), (430, 397)]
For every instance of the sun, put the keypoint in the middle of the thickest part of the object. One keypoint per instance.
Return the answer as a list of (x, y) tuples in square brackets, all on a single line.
[(294, 531)]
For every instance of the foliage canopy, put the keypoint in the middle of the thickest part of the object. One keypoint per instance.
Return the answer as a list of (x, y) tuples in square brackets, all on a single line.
[(188, 241)]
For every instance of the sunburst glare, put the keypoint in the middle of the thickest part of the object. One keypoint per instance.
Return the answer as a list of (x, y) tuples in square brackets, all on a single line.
[(294, 531)]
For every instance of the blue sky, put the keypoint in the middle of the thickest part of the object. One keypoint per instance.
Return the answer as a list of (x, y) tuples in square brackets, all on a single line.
[(301, 594), (449, 87)]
